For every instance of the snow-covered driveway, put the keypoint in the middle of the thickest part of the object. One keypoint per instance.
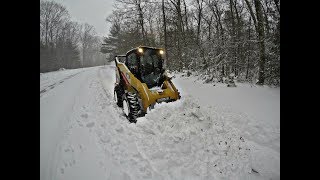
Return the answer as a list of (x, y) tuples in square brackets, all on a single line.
[(84, 135)]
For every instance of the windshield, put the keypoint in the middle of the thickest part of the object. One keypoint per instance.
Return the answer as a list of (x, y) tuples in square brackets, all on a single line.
[(151, 62), (151, 66)]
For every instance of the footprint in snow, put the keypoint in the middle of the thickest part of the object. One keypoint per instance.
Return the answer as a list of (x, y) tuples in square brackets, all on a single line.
[(255, 171), (84, 116), (101, 164), (119, 129), (43, 91), (79, 122), (90, 125), (105, 139)]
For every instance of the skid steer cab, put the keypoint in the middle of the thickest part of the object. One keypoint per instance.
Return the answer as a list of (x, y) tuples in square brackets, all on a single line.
[(141, 81)]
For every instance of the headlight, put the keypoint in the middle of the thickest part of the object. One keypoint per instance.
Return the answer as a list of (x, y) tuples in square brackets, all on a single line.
[(161, 52), (140, 50)]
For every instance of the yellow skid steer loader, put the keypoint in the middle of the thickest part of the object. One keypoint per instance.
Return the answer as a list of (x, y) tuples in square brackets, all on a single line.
[(141, 81)]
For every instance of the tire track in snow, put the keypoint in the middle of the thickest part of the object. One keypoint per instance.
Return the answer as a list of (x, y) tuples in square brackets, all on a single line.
[(93, 115), (78, 149), (53, 85)]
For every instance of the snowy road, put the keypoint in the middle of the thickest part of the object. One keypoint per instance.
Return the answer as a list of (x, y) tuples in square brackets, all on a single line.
[(84, 135)]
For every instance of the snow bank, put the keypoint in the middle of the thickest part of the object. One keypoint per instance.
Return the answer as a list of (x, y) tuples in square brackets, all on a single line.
[(252, 110), (183, 140)]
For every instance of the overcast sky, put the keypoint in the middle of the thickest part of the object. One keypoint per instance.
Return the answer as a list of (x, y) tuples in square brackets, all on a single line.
[(93, 12)]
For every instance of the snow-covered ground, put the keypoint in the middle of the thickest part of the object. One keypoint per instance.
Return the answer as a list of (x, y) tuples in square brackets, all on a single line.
[(213, 132), (50, 80)]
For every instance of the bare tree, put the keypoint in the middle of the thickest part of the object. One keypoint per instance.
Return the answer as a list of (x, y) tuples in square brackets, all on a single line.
[(177, 5), (213, 37), (86, 38), (60, 39)]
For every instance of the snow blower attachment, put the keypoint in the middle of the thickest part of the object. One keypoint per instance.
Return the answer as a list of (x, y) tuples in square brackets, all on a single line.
[(141, 81)]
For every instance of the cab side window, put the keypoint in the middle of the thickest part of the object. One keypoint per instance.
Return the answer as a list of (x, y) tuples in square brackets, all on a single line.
[(132, 59), (132, 62)]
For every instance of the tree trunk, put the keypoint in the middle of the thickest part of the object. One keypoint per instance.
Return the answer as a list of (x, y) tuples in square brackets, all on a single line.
[(198, 41), (266, 21), (233, 39), (141, 21), (261, 38), (249, 54), (178, 7), (46, 29), (209, 27), (186, 15), (218, 16), (199, 20), (252, 14), (165, 33), (277, 5), (239, 49)]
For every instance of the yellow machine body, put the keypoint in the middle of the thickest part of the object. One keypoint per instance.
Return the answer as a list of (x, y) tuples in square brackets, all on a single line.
[(167, 93)]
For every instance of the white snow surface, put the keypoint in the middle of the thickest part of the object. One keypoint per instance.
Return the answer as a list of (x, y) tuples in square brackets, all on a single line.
[(213, 132)]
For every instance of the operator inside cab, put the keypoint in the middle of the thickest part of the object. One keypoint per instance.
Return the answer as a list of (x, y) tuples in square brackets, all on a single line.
[(147, 65), (151, 67)]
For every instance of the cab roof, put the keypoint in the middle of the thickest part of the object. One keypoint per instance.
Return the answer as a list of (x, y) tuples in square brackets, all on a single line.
[(144, 47)]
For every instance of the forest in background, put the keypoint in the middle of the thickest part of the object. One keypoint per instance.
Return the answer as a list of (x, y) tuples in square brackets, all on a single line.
[(65, 43), (214, 38)]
